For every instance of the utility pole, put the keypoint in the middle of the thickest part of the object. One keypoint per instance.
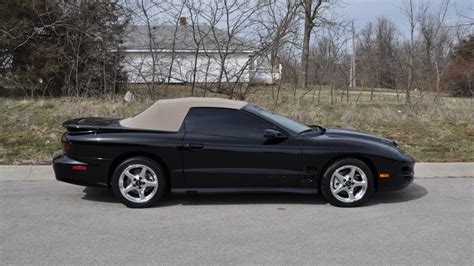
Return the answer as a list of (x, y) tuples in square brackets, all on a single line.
[(352, 81)]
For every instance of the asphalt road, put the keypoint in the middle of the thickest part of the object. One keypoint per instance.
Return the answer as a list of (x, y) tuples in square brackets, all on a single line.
[(48, 222)]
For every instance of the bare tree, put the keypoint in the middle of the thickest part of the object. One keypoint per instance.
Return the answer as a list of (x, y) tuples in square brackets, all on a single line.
[(222, 24), (145, 10), (278, 21), (367, 56), (436, 38), (330, 61), (179, 22), (410, 12), (385, 38), (197, 38), (312, 12)]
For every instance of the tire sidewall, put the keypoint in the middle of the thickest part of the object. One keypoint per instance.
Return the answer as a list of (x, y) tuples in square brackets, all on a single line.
[(326, 182), (162, 184)]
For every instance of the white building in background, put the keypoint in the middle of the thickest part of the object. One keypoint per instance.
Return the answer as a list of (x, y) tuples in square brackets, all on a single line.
[(192, 54)]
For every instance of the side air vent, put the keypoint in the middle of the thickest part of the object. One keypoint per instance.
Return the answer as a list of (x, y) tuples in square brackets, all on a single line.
[(407, 173), (311, 173)]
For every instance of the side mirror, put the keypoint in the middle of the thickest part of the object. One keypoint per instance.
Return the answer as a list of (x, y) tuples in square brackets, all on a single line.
[(273, 134)]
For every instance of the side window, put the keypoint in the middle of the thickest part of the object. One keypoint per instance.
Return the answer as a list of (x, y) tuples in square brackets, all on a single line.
[(225, 122)]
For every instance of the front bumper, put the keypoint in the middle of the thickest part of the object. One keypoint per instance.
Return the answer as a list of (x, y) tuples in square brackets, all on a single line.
[(94, 175), (401, 175)]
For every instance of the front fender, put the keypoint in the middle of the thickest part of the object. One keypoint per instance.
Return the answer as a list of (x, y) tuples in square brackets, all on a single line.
[(382, 157)]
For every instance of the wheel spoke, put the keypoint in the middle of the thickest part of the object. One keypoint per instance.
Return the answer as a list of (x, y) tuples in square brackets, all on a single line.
[(129, 188), (150, 183), (339, 177), (350, 192), (141, 193), (352, 172), (130, 176), (339, 189), (362, 183), (143, 172)]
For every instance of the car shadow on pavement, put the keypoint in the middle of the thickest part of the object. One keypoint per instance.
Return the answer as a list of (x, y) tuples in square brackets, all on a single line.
[(99, 194), (412, 192), (245, 198)]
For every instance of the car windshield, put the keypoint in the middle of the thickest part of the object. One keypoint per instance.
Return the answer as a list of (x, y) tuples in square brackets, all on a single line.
[(283, 121)]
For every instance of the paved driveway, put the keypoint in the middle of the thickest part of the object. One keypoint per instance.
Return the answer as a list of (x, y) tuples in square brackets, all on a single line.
[(48, 222)]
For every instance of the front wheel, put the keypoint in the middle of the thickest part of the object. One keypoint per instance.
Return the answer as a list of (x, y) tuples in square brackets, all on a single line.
[(347, 183), (138, 182)]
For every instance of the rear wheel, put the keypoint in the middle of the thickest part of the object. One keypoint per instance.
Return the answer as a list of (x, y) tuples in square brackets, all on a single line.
[(347, 183), (139, 182)]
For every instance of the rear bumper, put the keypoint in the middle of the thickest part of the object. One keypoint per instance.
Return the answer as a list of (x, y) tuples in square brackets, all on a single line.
[(94, 175), (401, 175)]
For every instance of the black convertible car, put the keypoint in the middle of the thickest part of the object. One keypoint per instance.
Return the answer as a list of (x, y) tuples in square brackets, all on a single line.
[(210, 145)]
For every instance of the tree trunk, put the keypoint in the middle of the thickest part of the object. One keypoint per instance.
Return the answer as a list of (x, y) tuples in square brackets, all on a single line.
[(438, 78), (305, 54), (308, 26), (410, 79), (412, 42)]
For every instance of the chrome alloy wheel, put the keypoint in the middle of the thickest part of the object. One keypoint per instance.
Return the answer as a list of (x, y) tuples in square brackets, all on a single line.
[(348, 184), (138, 183)]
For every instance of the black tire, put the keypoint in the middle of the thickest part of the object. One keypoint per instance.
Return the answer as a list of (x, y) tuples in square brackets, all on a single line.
[(160, 176), (326, 182)]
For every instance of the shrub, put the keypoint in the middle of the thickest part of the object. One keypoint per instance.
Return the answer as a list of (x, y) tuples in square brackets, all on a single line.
[(459, 78)]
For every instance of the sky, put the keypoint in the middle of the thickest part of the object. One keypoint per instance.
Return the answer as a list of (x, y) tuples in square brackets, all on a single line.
[(364, 11)]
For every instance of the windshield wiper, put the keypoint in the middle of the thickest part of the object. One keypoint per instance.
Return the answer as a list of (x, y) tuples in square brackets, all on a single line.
[(306, 130)]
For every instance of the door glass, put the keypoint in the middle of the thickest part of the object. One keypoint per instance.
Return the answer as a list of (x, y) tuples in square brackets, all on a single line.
[(225, 122)]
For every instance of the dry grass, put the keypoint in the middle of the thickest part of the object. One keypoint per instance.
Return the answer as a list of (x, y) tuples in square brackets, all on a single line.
[(441, 130)]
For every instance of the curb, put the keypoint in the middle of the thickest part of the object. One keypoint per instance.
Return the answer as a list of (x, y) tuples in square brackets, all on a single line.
[(433, 170), (26, 172)]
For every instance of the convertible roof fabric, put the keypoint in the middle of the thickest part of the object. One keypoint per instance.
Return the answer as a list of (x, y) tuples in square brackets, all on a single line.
[(168, 115)]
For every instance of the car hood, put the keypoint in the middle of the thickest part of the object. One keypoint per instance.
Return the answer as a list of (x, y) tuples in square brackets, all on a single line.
[(347, 133), (351, 141)]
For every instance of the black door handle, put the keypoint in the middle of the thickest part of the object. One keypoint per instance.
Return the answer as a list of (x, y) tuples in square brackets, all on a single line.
[(194, 146)]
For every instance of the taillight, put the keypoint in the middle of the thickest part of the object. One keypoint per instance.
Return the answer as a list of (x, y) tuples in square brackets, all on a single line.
[(79, 167), (66, 144)]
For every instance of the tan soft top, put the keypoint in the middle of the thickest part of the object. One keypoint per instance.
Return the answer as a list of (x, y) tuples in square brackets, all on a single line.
[(168, 115)]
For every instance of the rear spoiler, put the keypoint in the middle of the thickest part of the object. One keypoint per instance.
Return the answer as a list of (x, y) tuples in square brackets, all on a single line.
[(92, 123), (96, 124)]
